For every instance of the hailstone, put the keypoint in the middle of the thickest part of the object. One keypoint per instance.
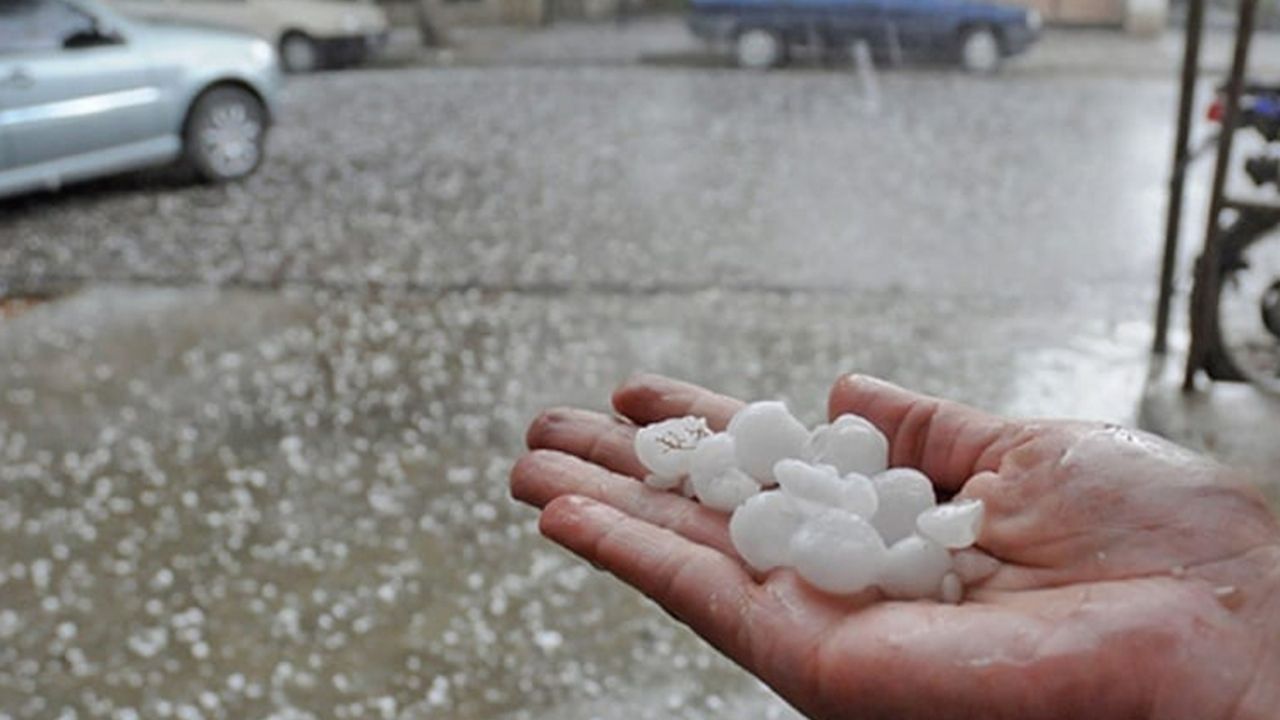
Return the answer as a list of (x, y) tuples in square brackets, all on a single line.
[(851, 444), (913, 568), (666, 448), (717, 482), (838, 517), (761, 529), (838, 552), (954, 525), (764, 433), (903, 493), (821, 484)]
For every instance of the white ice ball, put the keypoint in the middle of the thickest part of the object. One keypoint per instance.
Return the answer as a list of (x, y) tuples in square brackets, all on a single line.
[(726, 491), (838, 552), (714, 455), (904, 493), (761, 529), (717, 482), (823, 485), (850, 443), (666, 447), (914, 567), (764, 433), (954, 525)]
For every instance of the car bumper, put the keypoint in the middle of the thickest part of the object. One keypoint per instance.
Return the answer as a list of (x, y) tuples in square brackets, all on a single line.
[(1017, 38), (351, 49)]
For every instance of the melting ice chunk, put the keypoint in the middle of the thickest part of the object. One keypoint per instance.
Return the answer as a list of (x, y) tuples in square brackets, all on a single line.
[(851, 444), (821, 484), (914, 567), (726, 491), (714, 455), (717, 481), (954, 525), (761, 529), (764, 433), (904, 493), (838, 552), (666, 448)]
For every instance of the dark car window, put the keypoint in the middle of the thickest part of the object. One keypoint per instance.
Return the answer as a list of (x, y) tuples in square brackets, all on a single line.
[(34, 25)]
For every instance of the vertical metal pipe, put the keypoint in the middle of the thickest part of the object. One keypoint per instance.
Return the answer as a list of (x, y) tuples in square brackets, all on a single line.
[(1181, 158), (1202, 314)]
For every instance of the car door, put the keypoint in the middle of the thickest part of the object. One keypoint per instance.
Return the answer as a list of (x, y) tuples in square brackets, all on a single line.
[(922, 27), (855, 20), (69, 86)]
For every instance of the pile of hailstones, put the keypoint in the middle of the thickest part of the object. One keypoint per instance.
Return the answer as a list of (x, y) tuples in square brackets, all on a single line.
[(823, 502)]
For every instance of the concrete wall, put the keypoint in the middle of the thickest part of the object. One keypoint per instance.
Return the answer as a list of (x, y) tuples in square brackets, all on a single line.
[(1141, 17)]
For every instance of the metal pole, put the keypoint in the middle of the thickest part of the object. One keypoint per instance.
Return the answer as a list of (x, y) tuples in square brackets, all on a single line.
[(1202, 315), (1181, 158)]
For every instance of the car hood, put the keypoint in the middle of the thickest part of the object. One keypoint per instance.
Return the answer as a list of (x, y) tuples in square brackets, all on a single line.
[(197, 46), (178, 34)]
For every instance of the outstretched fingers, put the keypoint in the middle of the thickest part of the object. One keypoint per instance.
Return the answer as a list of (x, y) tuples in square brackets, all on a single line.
[(702, 587), (542, 476), (600, 439), (650, 398), (947, 441)]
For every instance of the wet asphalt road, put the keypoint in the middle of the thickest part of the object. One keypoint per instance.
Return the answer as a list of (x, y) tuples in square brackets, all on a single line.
[(287, 498)]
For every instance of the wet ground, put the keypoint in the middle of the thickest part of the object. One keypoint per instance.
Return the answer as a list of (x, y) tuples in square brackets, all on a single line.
[(286, 498)]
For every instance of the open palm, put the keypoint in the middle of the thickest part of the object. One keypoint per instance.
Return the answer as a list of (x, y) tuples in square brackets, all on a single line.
[(1120, 576)]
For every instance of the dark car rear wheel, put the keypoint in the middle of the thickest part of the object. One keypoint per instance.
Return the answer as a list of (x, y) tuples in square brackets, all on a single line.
[(226, 134), (299, 53), (980, 50), (758, 49)]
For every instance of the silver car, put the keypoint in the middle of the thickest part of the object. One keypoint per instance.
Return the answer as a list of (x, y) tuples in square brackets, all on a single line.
[(85, 92)]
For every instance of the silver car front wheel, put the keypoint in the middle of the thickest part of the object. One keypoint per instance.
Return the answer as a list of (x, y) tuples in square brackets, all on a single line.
[(758, 49), (226, 134), (980, 51)]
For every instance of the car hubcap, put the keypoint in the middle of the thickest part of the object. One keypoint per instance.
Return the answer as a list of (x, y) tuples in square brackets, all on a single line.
[(230, 140), (981, 51), (299, 55), (757, 49)]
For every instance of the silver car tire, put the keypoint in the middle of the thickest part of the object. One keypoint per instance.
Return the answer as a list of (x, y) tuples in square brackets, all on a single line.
[(299, 53), (226, 134), (758, 49), (980, 51)]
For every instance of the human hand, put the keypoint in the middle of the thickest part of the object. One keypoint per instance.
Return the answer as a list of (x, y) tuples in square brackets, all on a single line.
[(1121, 576)]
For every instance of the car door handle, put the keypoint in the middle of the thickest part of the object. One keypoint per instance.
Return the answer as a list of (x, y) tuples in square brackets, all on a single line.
[(20, 78)]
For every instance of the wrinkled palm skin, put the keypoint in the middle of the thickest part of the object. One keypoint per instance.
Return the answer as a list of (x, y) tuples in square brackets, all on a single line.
[(1119, 576)]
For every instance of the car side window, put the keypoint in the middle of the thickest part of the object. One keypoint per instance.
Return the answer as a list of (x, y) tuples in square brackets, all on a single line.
[(40, 25)]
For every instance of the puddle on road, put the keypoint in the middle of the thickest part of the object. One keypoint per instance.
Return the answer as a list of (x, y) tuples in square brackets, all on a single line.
[(234, 505)]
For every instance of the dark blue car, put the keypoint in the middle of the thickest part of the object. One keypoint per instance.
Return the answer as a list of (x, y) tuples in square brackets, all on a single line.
[(978, 35)]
